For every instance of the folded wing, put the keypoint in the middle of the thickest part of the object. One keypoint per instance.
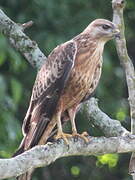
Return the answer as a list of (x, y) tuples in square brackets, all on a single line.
[(50, 81)]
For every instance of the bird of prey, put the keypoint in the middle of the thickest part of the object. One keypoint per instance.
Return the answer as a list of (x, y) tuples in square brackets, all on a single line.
[(67, 78)]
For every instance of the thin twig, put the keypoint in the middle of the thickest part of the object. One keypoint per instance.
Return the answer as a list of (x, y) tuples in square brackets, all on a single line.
[(27, 25)]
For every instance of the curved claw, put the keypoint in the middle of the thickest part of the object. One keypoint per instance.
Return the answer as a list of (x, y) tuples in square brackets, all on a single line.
[(83, 136), (63, 136)]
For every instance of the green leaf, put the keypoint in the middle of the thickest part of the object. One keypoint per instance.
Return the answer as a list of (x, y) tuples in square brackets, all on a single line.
[(109, 159), (121, 115), (75, 170)]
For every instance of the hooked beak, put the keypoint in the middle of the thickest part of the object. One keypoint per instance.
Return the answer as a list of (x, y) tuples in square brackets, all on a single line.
[(116, 33)]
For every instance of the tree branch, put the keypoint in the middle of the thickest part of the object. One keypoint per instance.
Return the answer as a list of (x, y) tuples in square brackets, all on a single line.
[(118, 7), (20, 41), (109, 127), (36, 58), (44, 155)]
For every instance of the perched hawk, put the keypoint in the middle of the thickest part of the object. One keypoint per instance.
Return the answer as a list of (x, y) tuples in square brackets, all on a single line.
[(68, 77)]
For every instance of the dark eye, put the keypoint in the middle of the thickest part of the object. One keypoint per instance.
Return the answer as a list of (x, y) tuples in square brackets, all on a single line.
[(105, 26)]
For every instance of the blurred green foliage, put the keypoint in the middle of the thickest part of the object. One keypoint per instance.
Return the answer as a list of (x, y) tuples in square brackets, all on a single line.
[(75, 170), (109, 159), (56, 21)]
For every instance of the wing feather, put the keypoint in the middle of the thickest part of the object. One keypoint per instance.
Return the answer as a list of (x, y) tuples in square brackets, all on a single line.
[(47, 89)]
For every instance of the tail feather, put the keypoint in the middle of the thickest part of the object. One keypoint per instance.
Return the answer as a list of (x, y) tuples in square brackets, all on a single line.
[(22, 177), (19, 151), (26, 176)]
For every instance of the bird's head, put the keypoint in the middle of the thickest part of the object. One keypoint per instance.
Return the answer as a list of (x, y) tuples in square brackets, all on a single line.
[(102, 29)]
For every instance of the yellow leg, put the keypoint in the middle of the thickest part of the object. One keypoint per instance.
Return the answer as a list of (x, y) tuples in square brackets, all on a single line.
[(60, 133), (72, 113)]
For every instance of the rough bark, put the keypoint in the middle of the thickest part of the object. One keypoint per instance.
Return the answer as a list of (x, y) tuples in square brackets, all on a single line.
[(98, 118), (118, 7), (44, 155), (20, 41)]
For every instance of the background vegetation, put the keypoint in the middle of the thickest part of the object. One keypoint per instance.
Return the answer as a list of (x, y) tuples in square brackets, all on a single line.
[(56, 21)]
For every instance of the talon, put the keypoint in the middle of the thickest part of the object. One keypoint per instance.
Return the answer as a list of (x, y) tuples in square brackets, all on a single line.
[(85, 133), (83, 136), (63, 136)]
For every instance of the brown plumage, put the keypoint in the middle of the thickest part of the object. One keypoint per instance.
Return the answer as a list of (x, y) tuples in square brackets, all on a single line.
[(68, 77)]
